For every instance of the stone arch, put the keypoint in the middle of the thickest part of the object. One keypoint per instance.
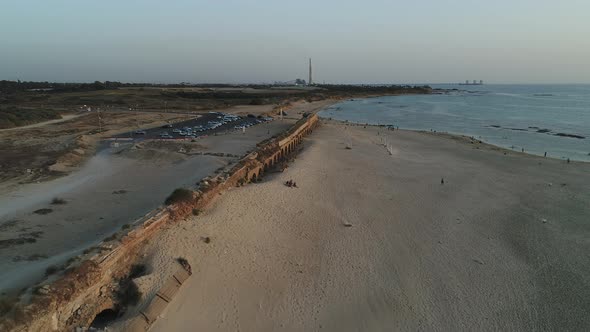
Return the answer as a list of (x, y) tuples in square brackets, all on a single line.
[(104, 318)]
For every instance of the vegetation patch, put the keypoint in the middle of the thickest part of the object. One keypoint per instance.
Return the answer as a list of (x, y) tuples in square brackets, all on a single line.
[(9, 224), (137, 270), (110, 238), (35, 235), (7, 303), (180, 195), (88, 250), (43, 211), (52, 269), (72, 260), (30, 258), (58, 201), (185, 264), (15, 242), (15, 117), (128, 293)]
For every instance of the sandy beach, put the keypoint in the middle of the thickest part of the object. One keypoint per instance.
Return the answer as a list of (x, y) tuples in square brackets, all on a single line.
[(372, 241)]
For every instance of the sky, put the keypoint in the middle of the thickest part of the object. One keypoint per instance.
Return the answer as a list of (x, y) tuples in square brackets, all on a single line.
[(255, 41)]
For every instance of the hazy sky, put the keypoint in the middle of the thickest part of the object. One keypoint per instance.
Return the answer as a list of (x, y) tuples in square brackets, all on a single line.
[(369, 41)]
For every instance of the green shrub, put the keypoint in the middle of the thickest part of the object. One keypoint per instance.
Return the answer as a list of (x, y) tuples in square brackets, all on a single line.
[(180, 195), (110, 238), (128, 293), (137, 270)]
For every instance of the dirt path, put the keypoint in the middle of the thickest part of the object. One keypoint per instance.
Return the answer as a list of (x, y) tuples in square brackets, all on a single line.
[(64, 118)]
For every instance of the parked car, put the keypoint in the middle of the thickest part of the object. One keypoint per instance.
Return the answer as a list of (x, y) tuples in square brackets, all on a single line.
[(140, 132)]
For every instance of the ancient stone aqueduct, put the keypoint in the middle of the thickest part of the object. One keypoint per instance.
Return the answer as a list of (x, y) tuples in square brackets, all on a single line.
[(64, 303), (284, 147)]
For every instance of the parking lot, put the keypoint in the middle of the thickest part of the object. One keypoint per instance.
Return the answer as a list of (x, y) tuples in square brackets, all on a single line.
[(205, 124)]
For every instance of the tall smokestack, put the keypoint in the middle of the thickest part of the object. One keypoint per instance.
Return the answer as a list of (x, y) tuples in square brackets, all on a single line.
[(310, 79)]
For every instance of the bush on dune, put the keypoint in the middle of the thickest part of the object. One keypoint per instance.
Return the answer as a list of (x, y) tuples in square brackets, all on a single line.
[(180, 195)]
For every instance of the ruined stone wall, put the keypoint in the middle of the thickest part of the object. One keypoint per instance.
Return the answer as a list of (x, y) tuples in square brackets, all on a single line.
[(84, 290)]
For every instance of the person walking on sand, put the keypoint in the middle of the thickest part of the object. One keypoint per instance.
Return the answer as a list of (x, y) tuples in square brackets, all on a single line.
[(442, 180)]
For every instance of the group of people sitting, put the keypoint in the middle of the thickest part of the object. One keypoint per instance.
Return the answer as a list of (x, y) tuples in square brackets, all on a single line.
[(291, 184)]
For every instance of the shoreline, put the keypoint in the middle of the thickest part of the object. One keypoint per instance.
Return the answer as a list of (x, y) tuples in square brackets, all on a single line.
[(500, 117), (453, 136)]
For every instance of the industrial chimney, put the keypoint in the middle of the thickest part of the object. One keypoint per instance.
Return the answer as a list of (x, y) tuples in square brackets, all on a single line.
[(310, 82)]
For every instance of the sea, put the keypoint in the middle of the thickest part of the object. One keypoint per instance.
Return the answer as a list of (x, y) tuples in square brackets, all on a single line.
[(552, 119)]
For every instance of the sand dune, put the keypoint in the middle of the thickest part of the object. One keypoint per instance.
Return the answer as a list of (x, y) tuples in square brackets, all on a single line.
[(501, 245)]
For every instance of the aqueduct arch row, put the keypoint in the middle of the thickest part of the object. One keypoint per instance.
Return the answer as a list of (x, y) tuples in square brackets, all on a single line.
[(284, 147)]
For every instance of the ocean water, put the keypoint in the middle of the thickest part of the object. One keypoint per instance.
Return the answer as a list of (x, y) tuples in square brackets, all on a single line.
[(536, 118)]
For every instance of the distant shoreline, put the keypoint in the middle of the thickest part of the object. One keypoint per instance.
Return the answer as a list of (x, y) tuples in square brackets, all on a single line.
[(452, 136), (558, 140)]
